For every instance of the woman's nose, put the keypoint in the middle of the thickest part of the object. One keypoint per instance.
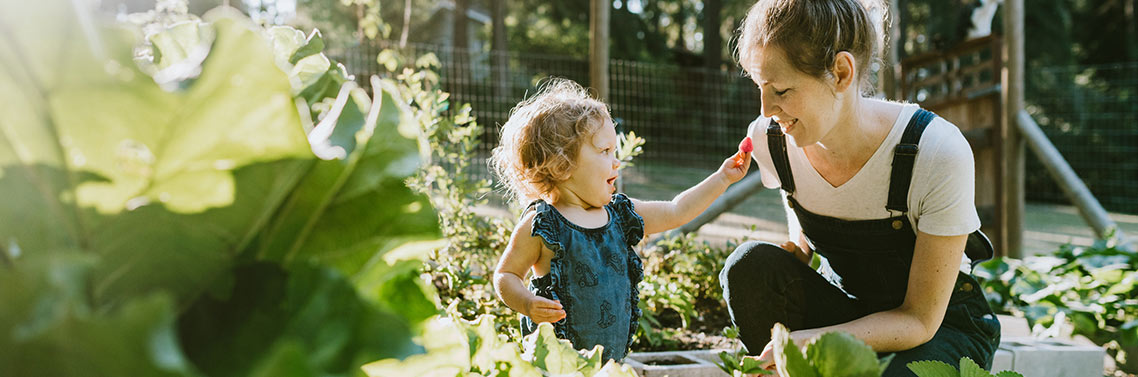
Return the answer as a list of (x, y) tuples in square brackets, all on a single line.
[(767, 104)]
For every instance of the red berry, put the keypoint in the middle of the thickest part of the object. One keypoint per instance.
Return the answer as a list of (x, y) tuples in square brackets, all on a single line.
[(745, 145)]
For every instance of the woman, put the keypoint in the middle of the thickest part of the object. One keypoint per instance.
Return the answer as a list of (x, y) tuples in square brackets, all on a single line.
[(883, 191)]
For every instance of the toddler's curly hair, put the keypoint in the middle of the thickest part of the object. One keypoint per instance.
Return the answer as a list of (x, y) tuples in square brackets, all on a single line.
[(540, 142)]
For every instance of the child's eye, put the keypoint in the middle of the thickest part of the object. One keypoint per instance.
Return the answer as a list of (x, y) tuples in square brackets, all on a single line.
[(780, 93)]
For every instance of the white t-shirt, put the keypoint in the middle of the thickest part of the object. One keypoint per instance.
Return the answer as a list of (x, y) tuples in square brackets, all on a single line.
[(941, 195)]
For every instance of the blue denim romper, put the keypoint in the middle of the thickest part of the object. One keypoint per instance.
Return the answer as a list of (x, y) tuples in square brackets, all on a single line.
[(594, 272), (866, 263)]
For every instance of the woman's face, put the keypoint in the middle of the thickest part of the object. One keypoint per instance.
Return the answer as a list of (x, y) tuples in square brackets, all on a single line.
[(805, 106)]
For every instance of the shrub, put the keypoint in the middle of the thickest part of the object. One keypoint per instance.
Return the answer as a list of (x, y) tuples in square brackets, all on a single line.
[(1086, 291)]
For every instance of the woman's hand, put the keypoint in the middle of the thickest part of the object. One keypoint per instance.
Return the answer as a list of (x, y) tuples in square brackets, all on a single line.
[(799, 254), (766, 358), (541, 309)]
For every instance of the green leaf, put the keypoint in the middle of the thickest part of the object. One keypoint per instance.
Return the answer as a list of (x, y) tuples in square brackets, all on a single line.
[(313, 46), (185, 44), (932, 368), (549, 353), (149, 195), (1008, 373), (448, 353), (841, 354), (969, 368), (48, 328), (788, 359), (316, 308), (286, 41)]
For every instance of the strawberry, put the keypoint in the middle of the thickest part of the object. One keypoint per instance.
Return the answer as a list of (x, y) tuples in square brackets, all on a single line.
[(744, 147)]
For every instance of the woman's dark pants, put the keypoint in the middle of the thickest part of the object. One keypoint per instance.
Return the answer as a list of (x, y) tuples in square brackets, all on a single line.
[(764, 284)]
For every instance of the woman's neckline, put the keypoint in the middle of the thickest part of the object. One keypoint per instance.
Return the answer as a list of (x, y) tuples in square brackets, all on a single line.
[(894, 130)]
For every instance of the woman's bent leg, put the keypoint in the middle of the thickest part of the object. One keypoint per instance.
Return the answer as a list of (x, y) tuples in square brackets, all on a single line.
[(764, 284)]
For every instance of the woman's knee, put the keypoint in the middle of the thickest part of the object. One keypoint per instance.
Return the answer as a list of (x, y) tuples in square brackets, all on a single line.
[(753, 260)]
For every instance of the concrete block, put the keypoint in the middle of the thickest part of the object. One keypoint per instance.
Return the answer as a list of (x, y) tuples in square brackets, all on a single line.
[(701, 363), (1049, 358)]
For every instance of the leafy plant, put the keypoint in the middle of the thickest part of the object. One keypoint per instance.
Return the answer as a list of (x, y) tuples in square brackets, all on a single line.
[(1086, 291), (177, 221), (735, 363), (968, 368), (834, 354), (459, 347), (681, 281), (461, 268)]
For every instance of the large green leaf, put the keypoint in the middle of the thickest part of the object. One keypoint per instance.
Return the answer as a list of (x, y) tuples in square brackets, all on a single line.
[(788, 359), (50, 330), (841, 354), (146, 192), (932, 368), (270, 313)]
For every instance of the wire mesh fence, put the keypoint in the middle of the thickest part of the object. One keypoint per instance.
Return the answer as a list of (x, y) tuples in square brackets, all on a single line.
[(690, 117), (693, 118), (1090, 113)]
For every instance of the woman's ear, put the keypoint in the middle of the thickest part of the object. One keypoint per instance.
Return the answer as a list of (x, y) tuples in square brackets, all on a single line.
[(844, 71)]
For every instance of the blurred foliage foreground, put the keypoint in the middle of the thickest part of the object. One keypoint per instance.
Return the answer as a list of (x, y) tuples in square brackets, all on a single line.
[(216, 198)]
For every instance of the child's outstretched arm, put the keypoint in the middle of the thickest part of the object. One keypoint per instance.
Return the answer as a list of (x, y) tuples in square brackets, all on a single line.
[(522, 253), (660, 216)]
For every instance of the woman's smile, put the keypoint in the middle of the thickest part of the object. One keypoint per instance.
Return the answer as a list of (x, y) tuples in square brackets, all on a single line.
[(787, 126)]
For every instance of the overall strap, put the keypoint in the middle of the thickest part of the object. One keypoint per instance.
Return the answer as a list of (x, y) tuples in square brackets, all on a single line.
[(904, 156), (776, 142)]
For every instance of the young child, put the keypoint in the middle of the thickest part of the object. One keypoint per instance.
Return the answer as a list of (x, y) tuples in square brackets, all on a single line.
[(557, 152)]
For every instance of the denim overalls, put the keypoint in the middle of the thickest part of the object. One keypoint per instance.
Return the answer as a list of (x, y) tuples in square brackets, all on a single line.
[(594, 272), (865, 270)]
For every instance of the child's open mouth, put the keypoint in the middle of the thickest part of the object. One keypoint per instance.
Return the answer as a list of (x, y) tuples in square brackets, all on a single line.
[(611, 181)]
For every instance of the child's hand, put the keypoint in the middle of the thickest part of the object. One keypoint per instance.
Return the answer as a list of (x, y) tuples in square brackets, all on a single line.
[(734, 171), (541, 309), (735, 167)]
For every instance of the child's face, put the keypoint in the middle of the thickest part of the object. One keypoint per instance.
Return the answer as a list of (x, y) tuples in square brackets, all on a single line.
[(593, 181), (805, 106)]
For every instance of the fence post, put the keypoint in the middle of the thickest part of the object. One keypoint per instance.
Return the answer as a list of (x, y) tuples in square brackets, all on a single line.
[(1012, 149), (599, 48)]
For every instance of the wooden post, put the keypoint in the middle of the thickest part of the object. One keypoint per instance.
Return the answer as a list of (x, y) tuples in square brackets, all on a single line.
[(499, 60), (1013, 147), (889, 76), (599, 48)]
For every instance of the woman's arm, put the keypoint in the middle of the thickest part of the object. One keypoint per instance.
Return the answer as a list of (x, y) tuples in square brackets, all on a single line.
[(522, 253), (660, 216), (936, 262)]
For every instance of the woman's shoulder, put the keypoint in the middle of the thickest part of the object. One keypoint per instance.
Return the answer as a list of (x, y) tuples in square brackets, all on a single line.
[(945, 141), (757, 130)]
